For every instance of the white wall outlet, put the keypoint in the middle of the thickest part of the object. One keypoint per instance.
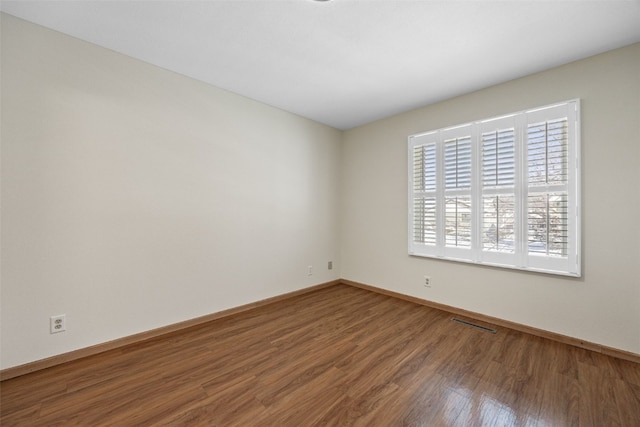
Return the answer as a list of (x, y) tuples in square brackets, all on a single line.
[(330, 265), (427, 281), (58, 323), (309, 270)]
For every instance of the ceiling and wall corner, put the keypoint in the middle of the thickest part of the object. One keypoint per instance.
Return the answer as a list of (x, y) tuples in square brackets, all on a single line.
[(345, 63)]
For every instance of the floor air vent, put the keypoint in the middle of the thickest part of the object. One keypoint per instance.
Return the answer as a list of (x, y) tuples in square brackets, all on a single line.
[(464, 322)]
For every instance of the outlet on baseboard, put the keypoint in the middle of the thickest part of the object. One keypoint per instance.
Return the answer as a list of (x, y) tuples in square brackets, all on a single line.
[(58, 323)]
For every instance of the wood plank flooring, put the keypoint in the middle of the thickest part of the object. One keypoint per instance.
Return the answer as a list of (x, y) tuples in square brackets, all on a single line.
[(339, 356)]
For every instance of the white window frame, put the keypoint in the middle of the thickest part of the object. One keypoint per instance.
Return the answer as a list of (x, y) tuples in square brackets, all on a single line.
[(427, 237)]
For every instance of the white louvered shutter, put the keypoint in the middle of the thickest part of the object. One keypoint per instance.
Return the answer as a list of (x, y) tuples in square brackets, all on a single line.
[(503, 191)]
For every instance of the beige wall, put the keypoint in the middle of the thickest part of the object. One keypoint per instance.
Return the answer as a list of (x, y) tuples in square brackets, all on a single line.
[(604, 305), (134, 198)]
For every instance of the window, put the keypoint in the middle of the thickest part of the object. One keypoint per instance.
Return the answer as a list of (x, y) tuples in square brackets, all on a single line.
[(503, 191)]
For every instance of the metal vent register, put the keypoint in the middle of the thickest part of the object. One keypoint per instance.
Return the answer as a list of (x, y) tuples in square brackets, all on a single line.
[(465, 322)]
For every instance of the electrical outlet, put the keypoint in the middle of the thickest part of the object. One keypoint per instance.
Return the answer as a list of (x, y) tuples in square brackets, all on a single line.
[(330, 265), (310, 270), (427, 281), (58, 323)]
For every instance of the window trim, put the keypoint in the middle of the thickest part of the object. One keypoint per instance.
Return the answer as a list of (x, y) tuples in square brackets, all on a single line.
[(522, 258)]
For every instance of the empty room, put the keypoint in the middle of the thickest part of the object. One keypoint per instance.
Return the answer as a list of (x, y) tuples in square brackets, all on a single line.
[(304, 212)]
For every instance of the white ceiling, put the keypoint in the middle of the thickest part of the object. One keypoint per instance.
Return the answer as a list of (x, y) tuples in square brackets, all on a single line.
[(346, 62)]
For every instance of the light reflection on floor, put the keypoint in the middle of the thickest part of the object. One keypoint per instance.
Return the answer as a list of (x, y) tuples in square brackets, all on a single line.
[(466, 408)]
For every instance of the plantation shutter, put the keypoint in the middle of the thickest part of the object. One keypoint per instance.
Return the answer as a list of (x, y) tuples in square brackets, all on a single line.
[(423, 219), (498, 225), (503, 191), (458, 203), (552, 187)]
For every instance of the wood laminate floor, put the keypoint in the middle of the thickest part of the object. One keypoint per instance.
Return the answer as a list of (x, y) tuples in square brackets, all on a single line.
[(339, 356)]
